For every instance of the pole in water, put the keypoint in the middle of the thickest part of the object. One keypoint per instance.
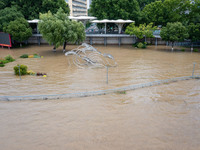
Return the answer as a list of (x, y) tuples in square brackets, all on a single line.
[(19, 72), (107, 74), (193, 69)]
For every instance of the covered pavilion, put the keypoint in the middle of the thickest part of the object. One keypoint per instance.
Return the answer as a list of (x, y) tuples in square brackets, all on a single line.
[(118, 22), (83, 19)]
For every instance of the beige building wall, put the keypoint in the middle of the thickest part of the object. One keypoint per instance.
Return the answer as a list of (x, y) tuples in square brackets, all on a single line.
[(78, 7)]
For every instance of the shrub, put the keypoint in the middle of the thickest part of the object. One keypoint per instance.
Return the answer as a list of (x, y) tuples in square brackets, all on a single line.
[(140, 45), (9, 58), (2, 65), (182, 49), (24, 56), (23, 69), (5, 61), (36, 56), (195, 50)]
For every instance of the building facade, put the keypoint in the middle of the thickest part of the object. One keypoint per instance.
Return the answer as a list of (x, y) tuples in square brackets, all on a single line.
[(77, 7), (89, 3)]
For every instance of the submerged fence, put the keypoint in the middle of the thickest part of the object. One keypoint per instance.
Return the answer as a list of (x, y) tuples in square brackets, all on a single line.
[(95, 93)]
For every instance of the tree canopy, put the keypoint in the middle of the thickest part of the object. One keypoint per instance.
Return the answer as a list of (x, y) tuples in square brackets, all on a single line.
[(58, 29), (143, 3), (174, 32), (141, 30), (194, 32), (7, 15), (167, 11), (116, 9), (31, 8), (194, 15), (19, 29)]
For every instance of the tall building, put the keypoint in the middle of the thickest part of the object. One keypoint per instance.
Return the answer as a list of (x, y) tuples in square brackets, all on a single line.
[(77, 7), (89, 3)]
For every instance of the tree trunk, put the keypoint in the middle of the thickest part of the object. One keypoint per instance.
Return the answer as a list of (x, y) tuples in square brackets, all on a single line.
[(64, 46), (172, 46), (54, 49), (192, 47), (20, 44)]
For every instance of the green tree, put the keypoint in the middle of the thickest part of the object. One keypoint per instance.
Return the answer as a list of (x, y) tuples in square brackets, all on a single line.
[(58, 29), (75, 33), (141, 31), (19, 30), (7, 15), (31, 8), (143, 3), (168, 11), (194, 33), (194, 14), (154, 12), (116, 9), (174, 32), (52, 29)]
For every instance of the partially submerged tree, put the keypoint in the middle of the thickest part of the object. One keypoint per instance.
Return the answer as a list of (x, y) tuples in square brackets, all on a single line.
[(75, 33), (57, 29), (52, 29), (19, 30), (174, 32)]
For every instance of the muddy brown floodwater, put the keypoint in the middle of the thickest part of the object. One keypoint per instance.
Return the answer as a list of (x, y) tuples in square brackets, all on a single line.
[(164, 117)]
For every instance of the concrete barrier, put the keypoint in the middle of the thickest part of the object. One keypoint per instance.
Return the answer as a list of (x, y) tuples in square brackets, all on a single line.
[(95, 93)]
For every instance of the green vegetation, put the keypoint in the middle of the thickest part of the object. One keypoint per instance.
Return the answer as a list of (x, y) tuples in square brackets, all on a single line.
[(24, 56), (31, 8), (14, 15), (140, 45), (174, 32), (142, 31), (9, 58), (6, 60), (194, 33), (30, 56), (19, 29), (121, 92), (23, 69), (116, 9), (196, 50), (162, 12), (183, 50), (7, 15), (58, 29)]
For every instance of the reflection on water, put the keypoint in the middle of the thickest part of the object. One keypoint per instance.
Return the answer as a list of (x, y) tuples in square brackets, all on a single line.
[(155, 118)]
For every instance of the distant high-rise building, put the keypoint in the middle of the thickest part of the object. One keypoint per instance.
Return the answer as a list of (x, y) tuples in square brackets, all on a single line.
[(77, 7), (89, 3)]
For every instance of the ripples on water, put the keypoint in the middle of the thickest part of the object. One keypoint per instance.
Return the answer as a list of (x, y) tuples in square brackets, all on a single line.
[(155, 118)]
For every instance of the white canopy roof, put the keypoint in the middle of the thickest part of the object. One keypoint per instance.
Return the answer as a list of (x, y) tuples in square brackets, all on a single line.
[(112, 21), (33, 21), (70, 17), (82, 18)]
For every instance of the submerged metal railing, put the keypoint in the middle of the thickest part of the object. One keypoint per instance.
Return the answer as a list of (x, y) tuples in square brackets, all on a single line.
[(95, 93)]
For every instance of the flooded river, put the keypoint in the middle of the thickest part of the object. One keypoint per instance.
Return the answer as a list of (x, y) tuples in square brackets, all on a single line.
[(161, 117)]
